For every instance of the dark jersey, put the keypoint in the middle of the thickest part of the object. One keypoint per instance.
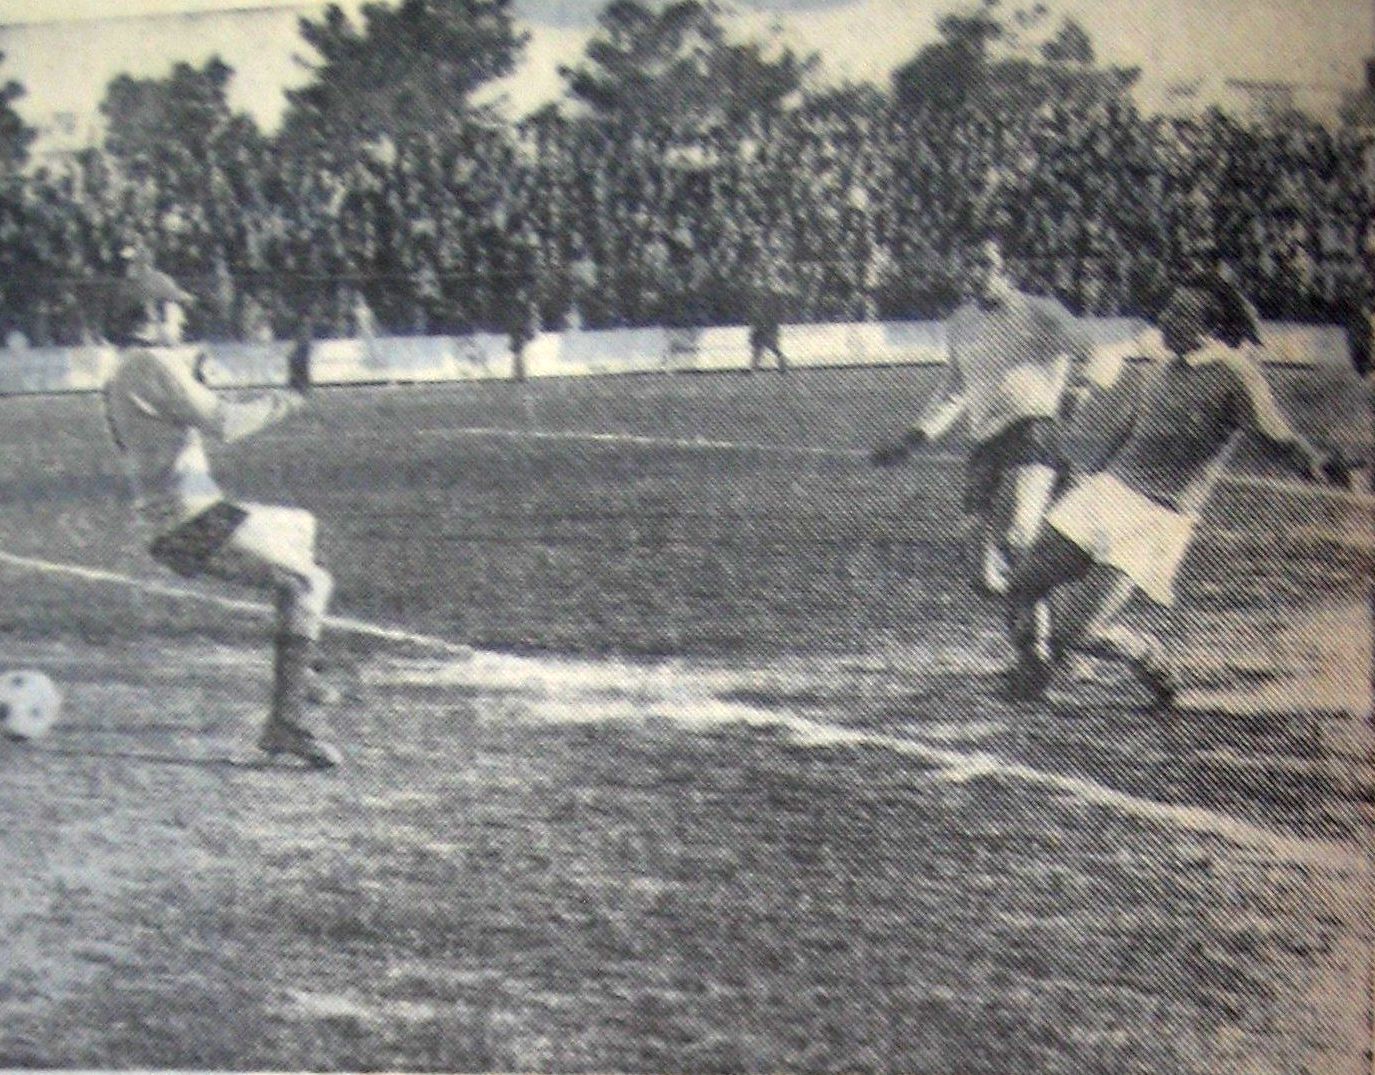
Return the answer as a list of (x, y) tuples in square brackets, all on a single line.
[(1190, 413)]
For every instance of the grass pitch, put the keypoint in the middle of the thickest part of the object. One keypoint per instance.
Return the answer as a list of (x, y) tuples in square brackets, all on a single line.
[(728, 786)]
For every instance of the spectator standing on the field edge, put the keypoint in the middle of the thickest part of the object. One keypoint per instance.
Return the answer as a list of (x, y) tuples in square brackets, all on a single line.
[(514, 253), (770, 289), (364, 320)]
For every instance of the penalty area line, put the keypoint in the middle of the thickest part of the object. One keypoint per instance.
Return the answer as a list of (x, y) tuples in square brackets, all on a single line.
[(343, 624), (956, 766)]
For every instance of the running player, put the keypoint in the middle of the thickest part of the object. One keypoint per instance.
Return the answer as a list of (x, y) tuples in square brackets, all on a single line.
[(159, 411), (1011, 359), (1127, 526)]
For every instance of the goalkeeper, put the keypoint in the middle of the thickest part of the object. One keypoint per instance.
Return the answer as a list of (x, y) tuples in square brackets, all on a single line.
[(159, 411), (1012, 358)]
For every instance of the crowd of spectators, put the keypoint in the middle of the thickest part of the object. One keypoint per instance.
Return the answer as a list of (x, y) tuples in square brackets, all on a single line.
[(563, 222)]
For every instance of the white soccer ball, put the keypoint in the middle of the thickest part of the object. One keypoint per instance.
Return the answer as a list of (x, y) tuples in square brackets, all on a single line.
[(29, 704)]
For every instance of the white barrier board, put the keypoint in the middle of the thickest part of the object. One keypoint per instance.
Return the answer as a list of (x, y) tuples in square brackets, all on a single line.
[(487, 356)]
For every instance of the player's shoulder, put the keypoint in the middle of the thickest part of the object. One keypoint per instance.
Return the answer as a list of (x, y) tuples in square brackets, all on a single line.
[(1240, 361), (131, 362), (1246, 365), (1226, 368), (144, 369)]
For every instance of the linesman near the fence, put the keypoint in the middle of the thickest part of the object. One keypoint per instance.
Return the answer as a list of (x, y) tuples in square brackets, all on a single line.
[(160, 411), (1016, 364), (1127, 526), (770, 290)]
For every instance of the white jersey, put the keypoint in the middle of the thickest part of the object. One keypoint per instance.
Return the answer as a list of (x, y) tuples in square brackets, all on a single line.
[(1009, 361), (159, 414)]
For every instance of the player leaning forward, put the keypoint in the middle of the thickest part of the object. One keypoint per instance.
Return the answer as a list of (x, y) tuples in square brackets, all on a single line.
[(1127, 526), (1016, 364), (160, 411)]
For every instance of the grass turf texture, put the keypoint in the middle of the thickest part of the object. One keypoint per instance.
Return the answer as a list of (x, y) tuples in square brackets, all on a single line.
[(565, 878)]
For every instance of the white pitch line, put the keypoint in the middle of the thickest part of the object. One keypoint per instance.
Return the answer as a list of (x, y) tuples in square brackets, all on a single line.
[(344, 624), (1195, 819), (563, 689), (1322, 492), (642, 440), (1270, 485), (958, 766)]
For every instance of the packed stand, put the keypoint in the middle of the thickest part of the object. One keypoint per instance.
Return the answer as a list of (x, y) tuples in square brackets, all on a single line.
[(562, 222)]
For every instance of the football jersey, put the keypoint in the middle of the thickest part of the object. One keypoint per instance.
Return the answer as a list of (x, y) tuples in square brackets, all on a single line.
[(1012, 360), (159, 414), (1191, 412)]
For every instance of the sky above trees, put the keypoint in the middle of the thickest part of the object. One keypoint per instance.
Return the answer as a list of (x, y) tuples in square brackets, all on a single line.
[(66, 51)]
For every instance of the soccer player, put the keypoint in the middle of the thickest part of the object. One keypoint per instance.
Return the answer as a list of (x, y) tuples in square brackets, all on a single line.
[(1127, 526), (1013, 359), (159, 412)]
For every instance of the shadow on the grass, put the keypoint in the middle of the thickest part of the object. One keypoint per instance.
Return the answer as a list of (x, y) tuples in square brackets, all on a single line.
[(182, 760)]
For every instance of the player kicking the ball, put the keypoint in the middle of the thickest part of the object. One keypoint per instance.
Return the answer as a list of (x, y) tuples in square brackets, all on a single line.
[(1127, 526), (1012, 358), (159, 411)]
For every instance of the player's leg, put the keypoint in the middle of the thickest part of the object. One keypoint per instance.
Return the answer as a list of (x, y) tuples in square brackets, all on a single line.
[(984, 498), (275, 548), (1088, 622), (1103, 635), (1031, 486), (1141, 545), (776, 345), (994, 563), (1082, 616), (1028, 483), (1051, 563), (1060, 601)]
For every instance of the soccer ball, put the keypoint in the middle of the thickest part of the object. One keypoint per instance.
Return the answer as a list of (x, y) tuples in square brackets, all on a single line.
[(29, 704)]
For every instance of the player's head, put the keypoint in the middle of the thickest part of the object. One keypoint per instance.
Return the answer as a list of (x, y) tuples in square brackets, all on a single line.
[(1184, 320), (150, 308), (157, 324), (987, 279), (1207, 306)]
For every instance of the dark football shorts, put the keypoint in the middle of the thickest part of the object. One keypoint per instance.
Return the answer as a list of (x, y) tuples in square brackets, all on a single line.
[(764, 336), (1026, 442), (188, 549)]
